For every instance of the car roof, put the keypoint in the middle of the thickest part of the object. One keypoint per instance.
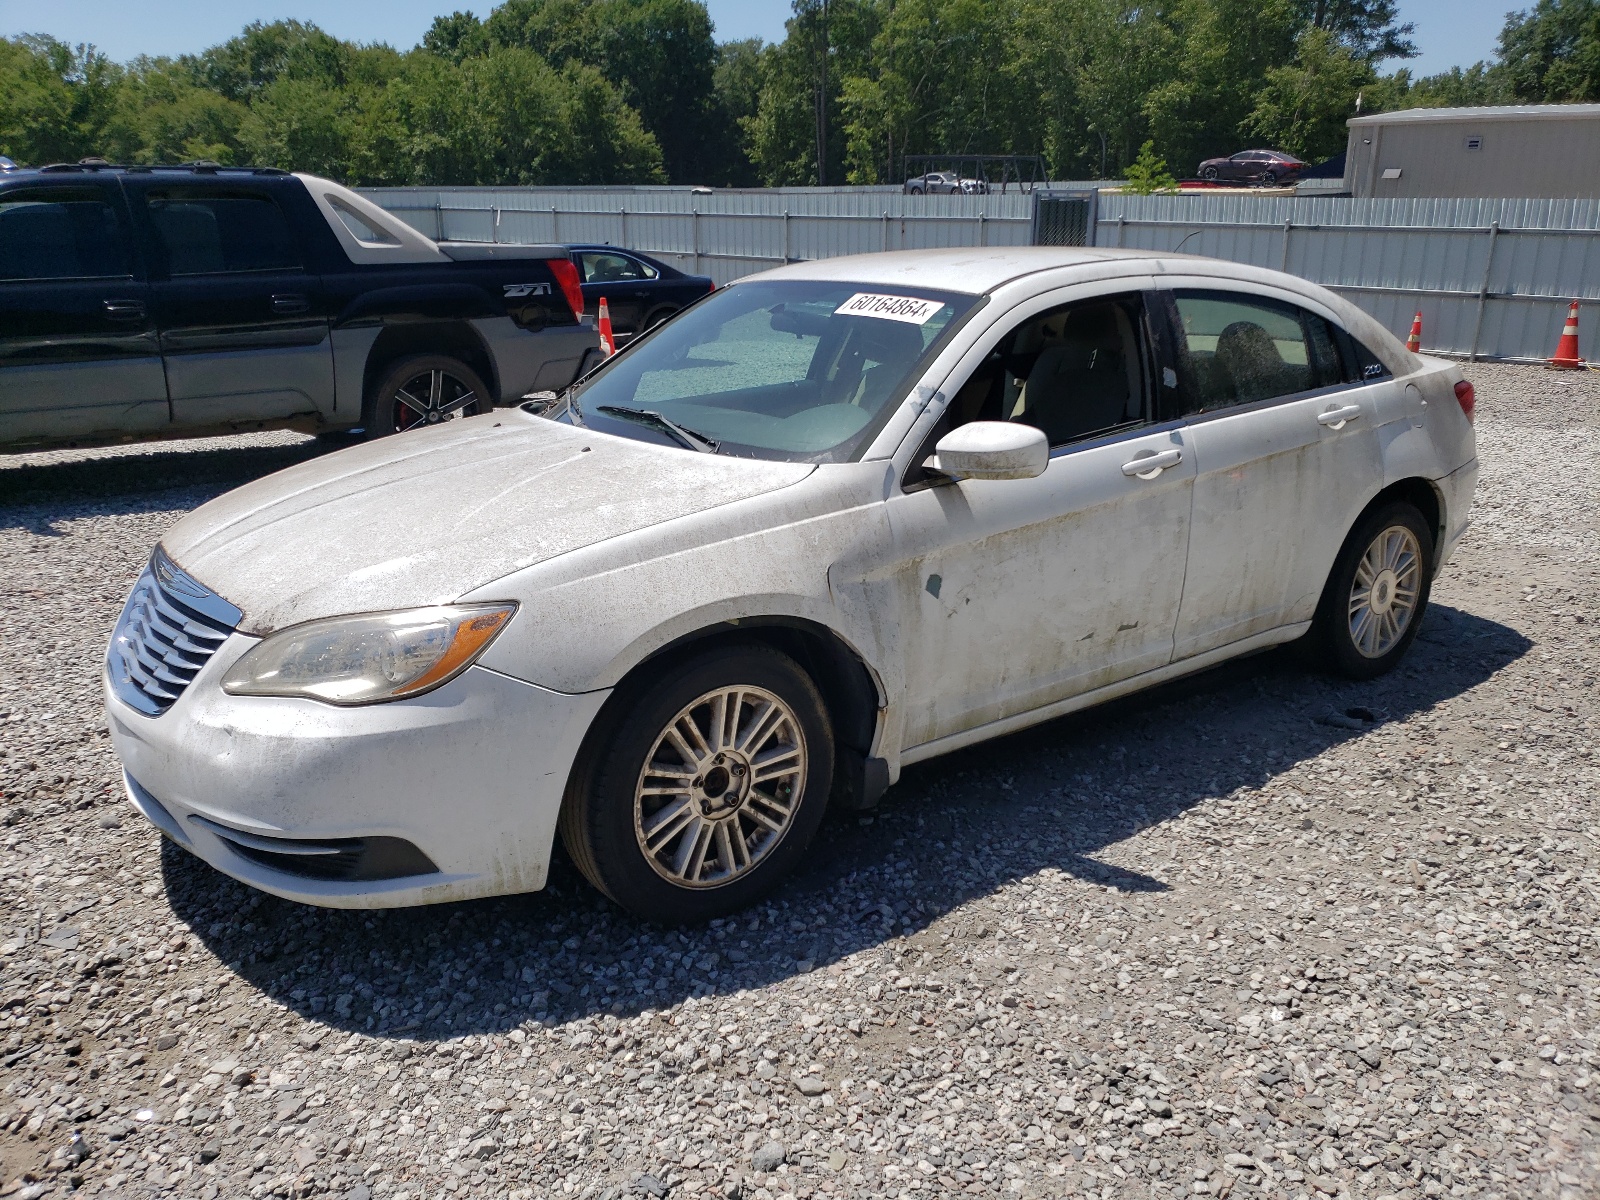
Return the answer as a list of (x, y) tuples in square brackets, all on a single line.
[(970, 269)]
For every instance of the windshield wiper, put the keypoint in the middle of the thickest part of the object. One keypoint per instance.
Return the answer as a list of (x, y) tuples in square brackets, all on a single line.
[(646, 416)]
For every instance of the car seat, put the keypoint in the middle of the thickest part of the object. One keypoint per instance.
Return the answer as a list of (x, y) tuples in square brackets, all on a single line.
[(1247, 364)]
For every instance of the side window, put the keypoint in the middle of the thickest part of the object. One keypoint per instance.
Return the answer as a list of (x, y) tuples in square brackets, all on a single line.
[(1240, 350), (1073, 372), (60, 233), (1368, 365), (613, 268), (207, 232)]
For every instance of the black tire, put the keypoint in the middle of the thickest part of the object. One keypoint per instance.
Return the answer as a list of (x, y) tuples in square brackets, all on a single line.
[(1269, 179), (460, 393), (607, 814), (1209, 174), (1333, 641), (654, 319)]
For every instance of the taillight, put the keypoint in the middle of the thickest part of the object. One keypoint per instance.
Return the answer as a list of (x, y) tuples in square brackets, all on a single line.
[(711, 289), (566, 274), (1466, 398)]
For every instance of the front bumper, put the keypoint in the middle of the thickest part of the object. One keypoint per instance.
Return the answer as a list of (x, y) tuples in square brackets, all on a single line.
[(470, 775)]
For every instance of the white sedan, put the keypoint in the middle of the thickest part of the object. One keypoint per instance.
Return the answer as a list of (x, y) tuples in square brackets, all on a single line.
[(833, 519)]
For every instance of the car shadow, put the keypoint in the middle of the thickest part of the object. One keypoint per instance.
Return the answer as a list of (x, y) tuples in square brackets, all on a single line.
[(38, 491), (1058, 796)]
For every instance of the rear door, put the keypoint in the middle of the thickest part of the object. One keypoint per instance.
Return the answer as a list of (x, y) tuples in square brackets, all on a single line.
[(1287, 452), (78, 351), (244, 328)]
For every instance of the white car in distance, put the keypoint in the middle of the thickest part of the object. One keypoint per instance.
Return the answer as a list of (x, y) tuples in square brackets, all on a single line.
[(831, 520)]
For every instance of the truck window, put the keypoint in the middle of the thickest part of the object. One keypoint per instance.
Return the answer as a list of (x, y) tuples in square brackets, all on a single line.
[(213, 232), (60, 233)]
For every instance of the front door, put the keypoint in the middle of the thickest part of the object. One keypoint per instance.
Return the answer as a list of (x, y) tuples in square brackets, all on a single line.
[(243, 327), (1287, 453), (624, 281), (78, 351), (1018, 593)]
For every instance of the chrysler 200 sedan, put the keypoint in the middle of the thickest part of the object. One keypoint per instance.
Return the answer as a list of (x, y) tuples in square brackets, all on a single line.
[(831, 520)]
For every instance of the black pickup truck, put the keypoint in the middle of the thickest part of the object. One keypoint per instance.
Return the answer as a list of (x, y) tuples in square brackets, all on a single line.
[(150, 302)]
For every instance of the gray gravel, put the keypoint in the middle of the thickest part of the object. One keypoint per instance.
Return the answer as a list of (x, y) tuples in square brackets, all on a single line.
[(1261, 933)]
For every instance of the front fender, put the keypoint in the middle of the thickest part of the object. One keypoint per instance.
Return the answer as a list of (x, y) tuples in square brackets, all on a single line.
[(592, 616)]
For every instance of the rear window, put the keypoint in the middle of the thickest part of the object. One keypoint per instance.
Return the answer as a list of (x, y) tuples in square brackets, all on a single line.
[(207, 232), (60, 233)]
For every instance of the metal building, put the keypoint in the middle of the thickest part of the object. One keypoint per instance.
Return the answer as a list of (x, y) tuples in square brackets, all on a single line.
[(1543, 151)]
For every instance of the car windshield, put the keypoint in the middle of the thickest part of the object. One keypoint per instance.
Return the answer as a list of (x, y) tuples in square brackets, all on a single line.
[(802, 370)]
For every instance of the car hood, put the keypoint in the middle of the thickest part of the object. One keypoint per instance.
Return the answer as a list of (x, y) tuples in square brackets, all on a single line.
[(422, 518)]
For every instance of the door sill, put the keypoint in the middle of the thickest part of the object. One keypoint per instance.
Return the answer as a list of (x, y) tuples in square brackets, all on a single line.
[(1111, 691)]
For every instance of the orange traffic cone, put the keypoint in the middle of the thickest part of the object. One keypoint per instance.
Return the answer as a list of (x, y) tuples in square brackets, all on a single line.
[(1566, 358), (608, 342), (1414, 339)]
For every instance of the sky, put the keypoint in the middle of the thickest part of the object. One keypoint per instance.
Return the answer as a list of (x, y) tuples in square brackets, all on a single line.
[(1449, 32)]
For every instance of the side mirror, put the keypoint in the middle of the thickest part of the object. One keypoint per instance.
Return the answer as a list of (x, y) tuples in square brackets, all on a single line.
[(991, 450)]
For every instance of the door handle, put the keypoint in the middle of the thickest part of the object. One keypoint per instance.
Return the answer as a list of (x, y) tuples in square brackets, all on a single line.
[(1335, 418), (124, 310), (1148, 466), (290, 303)]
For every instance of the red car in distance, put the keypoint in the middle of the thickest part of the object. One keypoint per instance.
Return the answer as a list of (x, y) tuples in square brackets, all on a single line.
[(1265, 167)]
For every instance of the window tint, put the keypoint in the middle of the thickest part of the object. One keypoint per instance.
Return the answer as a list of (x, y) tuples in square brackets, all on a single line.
[(60, 233), (1240, 350), (211, 233), (613, 268), (1368, 364), (361, 229), (1073, 372)]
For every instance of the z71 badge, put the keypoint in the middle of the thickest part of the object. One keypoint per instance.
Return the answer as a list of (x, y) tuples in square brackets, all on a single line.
[(514, 290)]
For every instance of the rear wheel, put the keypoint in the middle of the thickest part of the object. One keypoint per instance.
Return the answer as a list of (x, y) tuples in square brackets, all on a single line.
[(1377, 594), (424, 390), (1269, 179), (655, 318), (705, 790)]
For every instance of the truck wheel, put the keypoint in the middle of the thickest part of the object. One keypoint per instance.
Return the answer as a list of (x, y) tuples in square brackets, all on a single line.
[(705, 790), (423, 390)]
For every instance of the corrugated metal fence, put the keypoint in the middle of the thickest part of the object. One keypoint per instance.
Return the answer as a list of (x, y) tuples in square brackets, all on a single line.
[(1492, 278), (725, 234)]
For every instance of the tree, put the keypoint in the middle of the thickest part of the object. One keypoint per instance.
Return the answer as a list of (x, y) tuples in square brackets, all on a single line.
[(56, 101), (1303, 107), (1551, 53), (1366, 28), (659, 54), (1148, 173)]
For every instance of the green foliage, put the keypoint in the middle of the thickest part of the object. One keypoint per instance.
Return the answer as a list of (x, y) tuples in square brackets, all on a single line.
[(1303, 107), (1551, 53), (616, 91), (1148, 173)]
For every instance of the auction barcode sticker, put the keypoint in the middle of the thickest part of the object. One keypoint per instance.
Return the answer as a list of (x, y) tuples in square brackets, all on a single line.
[(891, 308)]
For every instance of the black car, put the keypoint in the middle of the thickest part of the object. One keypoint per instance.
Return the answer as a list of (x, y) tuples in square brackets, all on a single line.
[(1265, 167), (640, 292), (148, 302)]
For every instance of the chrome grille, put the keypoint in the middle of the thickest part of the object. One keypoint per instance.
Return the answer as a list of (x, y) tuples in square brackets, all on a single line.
[(170, 627)]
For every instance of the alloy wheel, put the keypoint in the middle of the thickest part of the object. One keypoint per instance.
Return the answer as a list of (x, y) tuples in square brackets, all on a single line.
[(433, 396), (1384, 593), (720, 787)]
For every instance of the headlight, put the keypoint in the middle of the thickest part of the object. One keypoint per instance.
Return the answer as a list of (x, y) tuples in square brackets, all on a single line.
[(369, 658)]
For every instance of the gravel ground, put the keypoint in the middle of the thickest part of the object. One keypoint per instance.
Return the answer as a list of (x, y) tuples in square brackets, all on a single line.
[(1260, 933)]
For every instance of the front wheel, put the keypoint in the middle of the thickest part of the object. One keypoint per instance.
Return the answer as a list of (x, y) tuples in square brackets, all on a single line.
[(1209, 174), (421, 391), (1375, 598), (703, 792)]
